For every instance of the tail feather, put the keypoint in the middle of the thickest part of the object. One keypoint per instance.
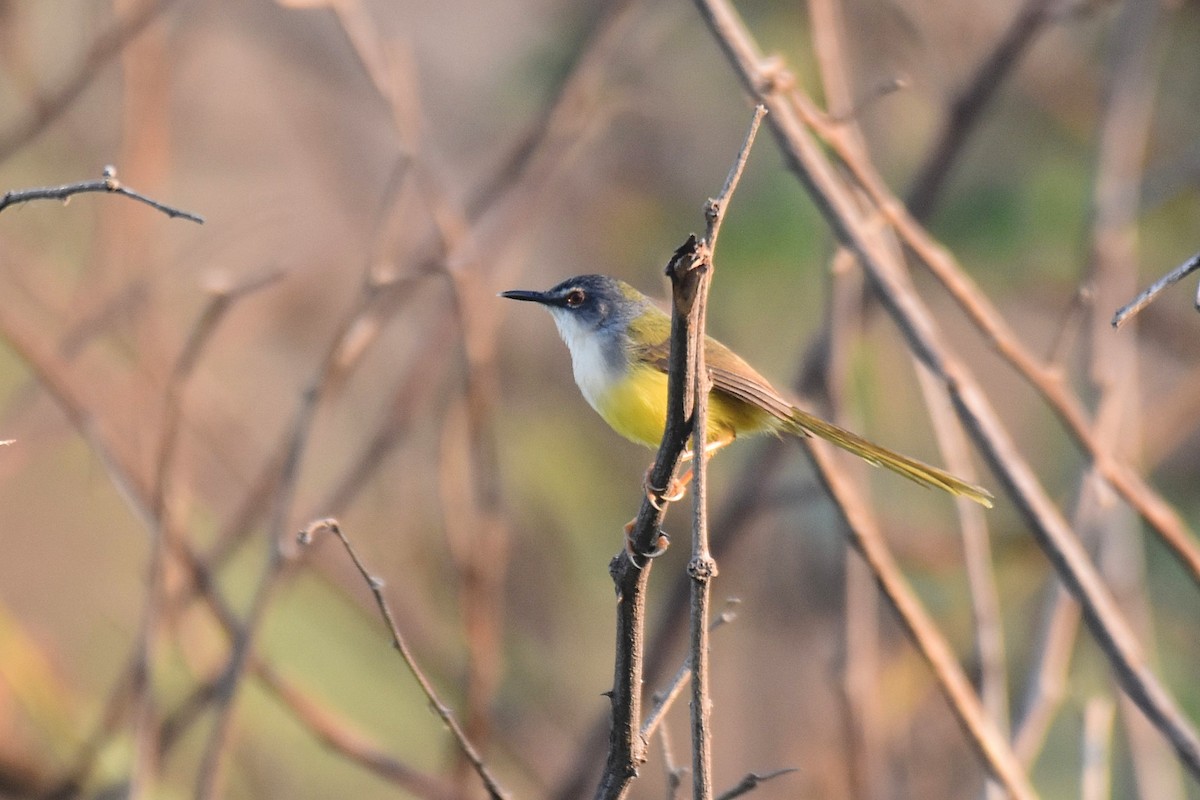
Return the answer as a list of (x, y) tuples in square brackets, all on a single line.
[(802, 423)]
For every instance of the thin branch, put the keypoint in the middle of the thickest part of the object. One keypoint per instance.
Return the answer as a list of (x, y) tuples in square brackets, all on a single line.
[(702, 568), (1058, 541), (1047, 682), (279, 551), (441, 709), (51, 105), (673, 774), (146, 753), (665, 698), (108, 182), (1134, 306), (966, 110), (1046, 380), (688, 269), (1096, 778), (752, 781), (338, 735), (627, 748)]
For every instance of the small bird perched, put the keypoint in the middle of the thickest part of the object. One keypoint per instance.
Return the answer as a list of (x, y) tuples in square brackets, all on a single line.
[(619, 343)]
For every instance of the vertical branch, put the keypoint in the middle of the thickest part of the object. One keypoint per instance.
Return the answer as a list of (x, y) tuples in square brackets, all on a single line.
[(627, 746), (1136, 53), (702, 567), (688, 269)]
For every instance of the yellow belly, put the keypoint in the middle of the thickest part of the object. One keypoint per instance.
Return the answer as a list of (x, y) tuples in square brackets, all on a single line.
[(636, 408)]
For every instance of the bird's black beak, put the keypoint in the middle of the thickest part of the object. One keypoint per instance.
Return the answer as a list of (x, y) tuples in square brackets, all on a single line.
[(530, 297)]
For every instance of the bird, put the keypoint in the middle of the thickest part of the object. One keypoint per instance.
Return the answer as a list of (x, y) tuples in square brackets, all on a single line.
[(619, 344)]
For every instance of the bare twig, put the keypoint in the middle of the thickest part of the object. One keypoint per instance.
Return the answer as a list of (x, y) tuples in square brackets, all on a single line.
[(1047, 380), (665, 698), (966, 109), (279, 551), (106, 183), (50, 106), (702, 568), (441, 709), (1135, 56), (1134, 306), (1096, 778), (688, 270), (1047, 683), (752, 781), (627, 747), (673, 773), (1062, 547), (146, 744)]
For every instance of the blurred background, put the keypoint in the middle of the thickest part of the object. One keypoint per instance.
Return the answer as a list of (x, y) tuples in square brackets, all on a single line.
[(183, 398)]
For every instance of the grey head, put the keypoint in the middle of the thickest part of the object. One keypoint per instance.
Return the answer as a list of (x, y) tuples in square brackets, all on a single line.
[(590, 302), (592, 313)]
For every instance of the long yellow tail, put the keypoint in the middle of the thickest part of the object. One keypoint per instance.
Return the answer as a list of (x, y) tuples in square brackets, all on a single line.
[(801, 423)]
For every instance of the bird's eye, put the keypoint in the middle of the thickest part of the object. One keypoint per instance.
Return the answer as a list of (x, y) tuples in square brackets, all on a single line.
[(575, 298)]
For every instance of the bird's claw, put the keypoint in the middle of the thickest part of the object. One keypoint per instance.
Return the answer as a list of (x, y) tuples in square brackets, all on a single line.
[(674, 491), (661, 542)]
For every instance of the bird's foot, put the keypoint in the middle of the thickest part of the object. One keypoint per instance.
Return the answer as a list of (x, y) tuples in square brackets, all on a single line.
[(674, 491), (661, 542)]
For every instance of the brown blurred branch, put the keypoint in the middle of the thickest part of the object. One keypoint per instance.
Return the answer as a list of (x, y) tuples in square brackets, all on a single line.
[(52, 105), (108, 182), (1047, 681), (164, 537), (966, 110), (1061, 545), (861, 615), (441, 709), (338, 735), (1136, 52), (279, 552), (1047, 380)]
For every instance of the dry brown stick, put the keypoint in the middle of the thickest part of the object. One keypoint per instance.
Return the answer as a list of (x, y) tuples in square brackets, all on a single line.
[(52, 375), (279, 551), (1135, 57), (1060, 544), (985, 605), (50, 106), (223, 294), (340, 736), (1046, 380), (673, 773), (967, 107), (1096, 778), (529, 161), (492, 786), (665, 698), (323, 723), (866, 538), (688, 270), (1046, 686), (107, 183), (702, 567), (752, 781)]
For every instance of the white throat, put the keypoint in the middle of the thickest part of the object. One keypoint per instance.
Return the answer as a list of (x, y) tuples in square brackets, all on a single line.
[(593, 371)]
